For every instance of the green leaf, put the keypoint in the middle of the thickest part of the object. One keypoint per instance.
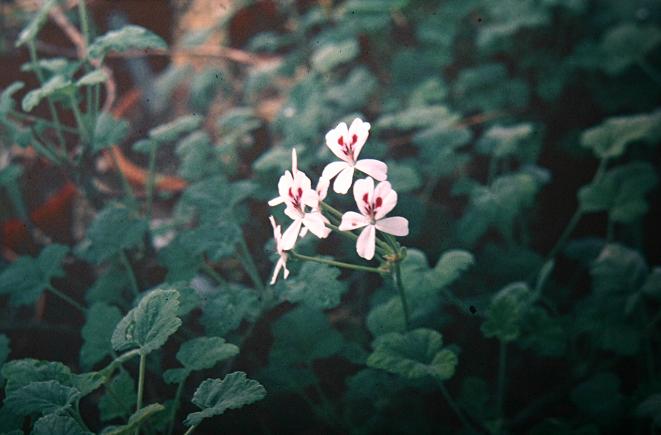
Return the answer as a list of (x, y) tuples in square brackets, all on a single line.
[(413, 355), (135, 421), (225, 311), (503, 318), (110, 286), (172, 130), (101, 320), (404, 177), (148, 325), (127, 38), (621, 191), (304, 335), (488, 88), (42, 397), (119, 399), (54, 86), (599, 397), (651, 408), (516, 140), (652, 285), (6, 97), (417, 275), (180, 260), (316, 285), (26, 278), (205, 352), (113, 230), (333, 54), (4, 349), (626, 44), (109, 131), (618, 270), (175, 376), (218, 240), (29, 32), (196, 154), (415, 117), (21, 372), (53, 424), (610, 138), (215, 396), (92, 78), (546, 335)]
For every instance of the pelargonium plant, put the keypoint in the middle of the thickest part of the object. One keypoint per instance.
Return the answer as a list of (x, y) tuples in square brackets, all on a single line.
[(310, 212)]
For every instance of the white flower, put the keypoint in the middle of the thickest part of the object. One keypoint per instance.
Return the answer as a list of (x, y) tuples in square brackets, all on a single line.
[(296, 193), (282, 261), (374, 204), (346, 144)]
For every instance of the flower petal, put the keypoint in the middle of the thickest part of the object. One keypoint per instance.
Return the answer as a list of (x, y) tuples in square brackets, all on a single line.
[(343, 181), (362, 130), (322, 187), (387, 202), (278, 266), (332, 169), (316, 223), (294, 162), (284, 183), (374, 168), (277, 200), (397, 226), (361, 188), (366, 241), (352, 220), (332, 140), (310, 198), (290, 236)]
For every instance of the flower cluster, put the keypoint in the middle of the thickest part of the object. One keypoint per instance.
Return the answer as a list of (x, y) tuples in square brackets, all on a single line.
[(305, 205)]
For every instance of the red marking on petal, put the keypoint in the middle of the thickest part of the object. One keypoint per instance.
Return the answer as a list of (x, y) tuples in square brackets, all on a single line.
[(300, 192), (354, 139), (365, 199), (379, 201), (340, 141), (291, 194)]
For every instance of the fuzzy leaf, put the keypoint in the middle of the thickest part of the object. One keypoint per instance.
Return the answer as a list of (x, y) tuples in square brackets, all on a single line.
[(414, 354), (121, 402), (53, 86), (6, 97), (504, 315), (651, 408), (113, 230), (127, 38), (172, 130), (316, 286), (29, 32), (225, 311), (53, 424), (624, 45), (109, 131), (149, 325), (610, 138), (205, 352), (215, 396), (42, 397), (27, 277), (92, 78), (101, 320), (330, 55), (618, 270)]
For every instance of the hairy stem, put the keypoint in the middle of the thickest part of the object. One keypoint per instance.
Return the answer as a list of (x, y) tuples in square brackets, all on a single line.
[(129, 270), (502, 362), (175, 405), (336, 263), (151, 178), (249, 264), (141, 384), (67, 299), (397, 278), (455, 408)]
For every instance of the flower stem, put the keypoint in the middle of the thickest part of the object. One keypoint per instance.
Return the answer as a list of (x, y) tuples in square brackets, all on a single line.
[(213, 274), (249, 263), (84, 22), (32, 118), (502, 362), (134, 283), (141, 384), (151, 178), (455, 408), (331, 209), (66, 298), (397, 278), (128, 191), (82, 130), (336, 263), (56, 119), (175, 405), (190, 430)]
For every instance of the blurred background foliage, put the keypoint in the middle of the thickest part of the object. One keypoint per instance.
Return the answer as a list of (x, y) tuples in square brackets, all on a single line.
[(521, 135)]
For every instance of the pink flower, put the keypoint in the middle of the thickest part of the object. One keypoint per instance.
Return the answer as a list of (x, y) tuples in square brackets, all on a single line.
[(346, 144), (282, 261), (374, 204), (296, 193)]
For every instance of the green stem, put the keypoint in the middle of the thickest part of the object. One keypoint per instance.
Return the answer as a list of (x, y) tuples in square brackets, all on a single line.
[(502, 362), (84, 22), (650, 71), (331, 209), (175, 405), (128, 191), (32, 118), (134, 282), (397, 278), (141, 384), (151, 178), (212, 273), (249, 263), (76, 416), (82, 129), (190, 430), (336, 263), (66, 298), (455, 408), (51, 107)]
